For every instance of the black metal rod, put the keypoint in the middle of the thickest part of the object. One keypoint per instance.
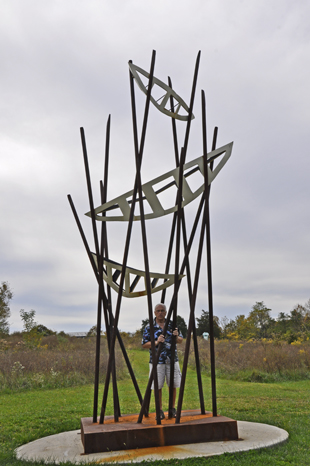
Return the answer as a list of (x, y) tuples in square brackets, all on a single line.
[(100, 301), (149, 302), (103, 189), (208, 246), (90, 194), (196, 349), (108, 309), (125, 257), (174, 129), (181, 218), (90, 256), (176, 273), (143, 232), (95, 270), (146, 397), (175, 224), (174, 218), (188, 273), (169, 254), (97, 358), (100, 271), (198, 264), (104, 252), (191, 105), (100, 285), (191, 323), (184, 151)]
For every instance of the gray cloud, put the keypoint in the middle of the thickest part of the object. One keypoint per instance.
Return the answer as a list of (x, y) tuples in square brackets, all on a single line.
[(65, 66)]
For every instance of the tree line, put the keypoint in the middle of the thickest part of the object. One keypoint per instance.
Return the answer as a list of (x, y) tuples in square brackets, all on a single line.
[(258, 325)]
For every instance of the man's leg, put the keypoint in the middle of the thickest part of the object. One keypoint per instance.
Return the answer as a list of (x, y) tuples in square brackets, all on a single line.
[(177, 380), (174, 397), (160, 398), (161, 380)]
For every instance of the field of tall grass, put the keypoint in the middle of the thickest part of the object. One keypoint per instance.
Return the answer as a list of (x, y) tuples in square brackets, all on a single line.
[(62, 361), (256, 361), (58, 361)]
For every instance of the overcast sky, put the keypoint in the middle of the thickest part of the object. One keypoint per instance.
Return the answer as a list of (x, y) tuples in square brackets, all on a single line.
[(64, 64)]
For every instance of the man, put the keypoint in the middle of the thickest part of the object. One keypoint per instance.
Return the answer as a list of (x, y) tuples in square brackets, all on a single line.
[(163, 366)]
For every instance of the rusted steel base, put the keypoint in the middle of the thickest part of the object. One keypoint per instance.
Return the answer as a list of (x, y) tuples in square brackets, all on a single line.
[(127, 434)]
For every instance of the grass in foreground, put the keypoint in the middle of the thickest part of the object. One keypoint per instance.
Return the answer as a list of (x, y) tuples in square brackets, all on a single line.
[(26, 416)]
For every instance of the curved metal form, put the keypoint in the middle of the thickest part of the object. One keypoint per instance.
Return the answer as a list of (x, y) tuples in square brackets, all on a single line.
[(123, 202), (112, 271), (165, 99)]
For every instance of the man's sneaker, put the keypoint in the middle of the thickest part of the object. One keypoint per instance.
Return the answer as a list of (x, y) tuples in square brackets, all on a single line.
[(161, 415), (174, 412)]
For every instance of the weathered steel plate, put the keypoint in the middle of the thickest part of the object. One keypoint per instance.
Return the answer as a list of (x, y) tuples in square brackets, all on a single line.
[(128, 434)]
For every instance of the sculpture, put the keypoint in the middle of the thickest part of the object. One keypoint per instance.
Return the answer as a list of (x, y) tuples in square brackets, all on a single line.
[(117, 276)]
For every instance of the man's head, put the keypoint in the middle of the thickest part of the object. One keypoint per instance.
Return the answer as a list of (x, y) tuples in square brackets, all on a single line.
[(160, 311)]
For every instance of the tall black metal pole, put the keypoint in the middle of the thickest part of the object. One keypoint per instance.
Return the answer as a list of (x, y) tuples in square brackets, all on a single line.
[(144, 242), (176, 279), (190, 112), (188, 273), (191, 105), (126, 251), (104, 252), (209, 269), (204, 227), (100, 284), (191, 323)]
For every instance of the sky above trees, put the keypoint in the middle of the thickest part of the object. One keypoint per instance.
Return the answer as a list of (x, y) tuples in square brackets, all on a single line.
[(65, 65)]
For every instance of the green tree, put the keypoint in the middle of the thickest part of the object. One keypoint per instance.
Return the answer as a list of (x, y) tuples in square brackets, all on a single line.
[(31, 336), (44, 331), (298, 323), (28, 319), (181, 324), (297, 318), (282, 323), (203, 324), (224, 325), (245, 328), (5, 297), (92, 332), (307, 306), (144, 323), (261, 320)]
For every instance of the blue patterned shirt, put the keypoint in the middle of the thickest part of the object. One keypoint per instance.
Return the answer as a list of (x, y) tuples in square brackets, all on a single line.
[(166, 346)]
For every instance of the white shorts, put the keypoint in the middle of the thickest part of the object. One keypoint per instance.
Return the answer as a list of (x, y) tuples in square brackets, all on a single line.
[(164, 370)]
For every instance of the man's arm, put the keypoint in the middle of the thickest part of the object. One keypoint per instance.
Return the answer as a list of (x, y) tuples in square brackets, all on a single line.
[(179, 338), (161, 339), (146, 339), (148, 344)]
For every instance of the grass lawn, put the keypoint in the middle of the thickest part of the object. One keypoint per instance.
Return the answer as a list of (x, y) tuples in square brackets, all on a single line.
[(28, 415)]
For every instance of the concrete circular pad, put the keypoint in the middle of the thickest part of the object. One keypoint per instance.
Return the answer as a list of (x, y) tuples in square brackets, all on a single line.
[(67, 446)]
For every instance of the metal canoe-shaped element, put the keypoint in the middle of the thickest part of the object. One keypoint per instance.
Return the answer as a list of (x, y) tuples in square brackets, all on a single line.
[(124, 201), (112, 272), (161, 103)]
